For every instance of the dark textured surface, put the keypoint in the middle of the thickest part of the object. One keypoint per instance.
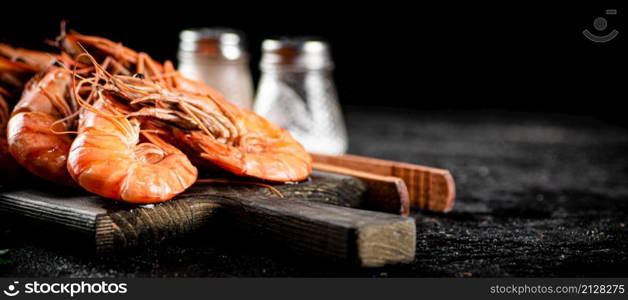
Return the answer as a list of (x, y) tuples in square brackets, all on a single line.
[(538, 195)]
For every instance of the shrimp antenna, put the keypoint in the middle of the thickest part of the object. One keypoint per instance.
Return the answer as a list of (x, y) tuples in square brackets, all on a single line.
[(118, 118)]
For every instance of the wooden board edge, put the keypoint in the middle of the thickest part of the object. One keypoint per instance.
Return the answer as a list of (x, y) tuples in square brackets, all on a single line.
[(387, 243)]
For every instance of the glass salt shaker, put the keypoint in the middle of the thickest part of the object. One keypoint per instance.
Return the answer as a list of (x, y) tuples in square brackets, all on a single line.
[(297, 92), (217, 57)]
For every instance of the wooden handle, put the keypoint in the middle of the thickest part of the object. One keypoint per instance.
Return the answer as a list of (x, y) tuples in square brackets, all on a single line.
[(385, 193), (428, 188)]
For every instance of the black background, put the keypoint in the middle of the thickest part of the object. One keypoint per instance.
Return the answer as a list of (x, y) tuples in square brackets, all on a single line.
[(515, 56)]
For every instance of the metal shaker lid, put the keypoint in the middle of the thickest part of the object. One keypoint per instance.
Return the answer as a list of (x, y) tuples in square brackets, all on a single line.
[(300, 52), (221, 43)]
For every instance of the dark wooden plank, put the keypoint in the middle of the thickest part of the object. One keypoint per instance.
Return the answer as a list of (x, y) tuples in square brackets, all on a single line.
[(367, 238), (362, 237), (305, 221), (79, 210)]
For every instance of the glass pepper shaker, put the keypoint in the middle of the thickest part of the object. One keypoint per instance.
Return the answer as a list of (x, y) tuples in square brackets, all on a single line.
[(217, 57), (296, 91)]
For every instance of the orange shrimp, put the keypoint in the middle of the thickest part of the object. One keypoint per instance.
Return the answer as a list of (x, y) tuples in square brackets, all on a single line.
[(258, 149), (33, 129), (13, 76), (114, 57), (18, 65), (221, 133), (121, 60), (10, 168), (38, 60), (107, 159)]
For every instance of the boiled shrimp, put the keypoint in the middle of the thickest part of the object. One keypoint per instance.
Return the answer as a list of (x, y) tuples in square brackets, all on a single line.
[(118, 59), (18, 65), (10, 168), (259, 148), (107, 158), (215, 132), (36, 131), (37, 60)]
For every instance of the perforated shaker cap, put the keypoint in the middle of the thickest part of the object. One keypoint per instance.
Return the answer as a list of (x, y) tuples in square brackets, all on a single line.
[(224, 43), (297, 52)]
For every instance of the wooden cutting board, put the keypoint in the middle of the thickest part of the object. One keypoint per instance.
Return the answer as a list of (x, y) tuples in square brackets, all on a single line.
[(318, 217)]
